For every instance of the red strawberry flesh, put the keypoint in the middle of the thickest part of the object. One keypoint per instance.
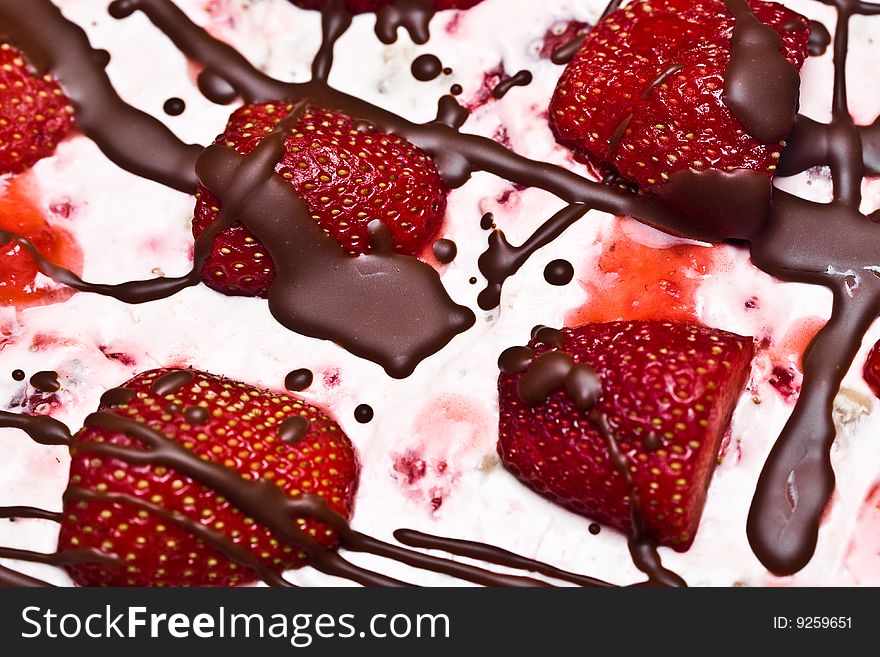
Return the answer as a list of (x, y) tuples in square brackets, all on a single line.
[(34, 113), (239, 429), (668, 392)]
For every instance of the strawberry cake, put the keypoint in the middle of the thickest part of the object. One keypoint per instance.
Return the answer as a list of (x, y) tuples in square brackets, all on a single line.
[(436, 292)]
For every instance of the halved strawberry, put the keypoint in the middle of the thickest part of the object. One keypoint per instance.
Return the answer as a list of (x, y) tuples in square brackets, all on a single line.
[(667, 394), (223, 421), (645, 93), (34, 113), (365, 6), (347, 173)]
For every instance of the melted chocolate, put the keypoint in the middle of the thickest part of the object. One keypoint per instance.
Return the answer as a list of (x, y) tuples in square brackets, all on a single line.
[(426, 67), (783, 536), (168, 384), (46, 381), (820, 39), (174, 107), (294, 429), (521, 79), (502, 260), (594, 528), (15, 512), (559, 272), (445, 251), (132, 139), (761, 87), (412, 15), (117, 397), (18, 375), (363, 413), (196, 415), (487, 221), (298, 380)]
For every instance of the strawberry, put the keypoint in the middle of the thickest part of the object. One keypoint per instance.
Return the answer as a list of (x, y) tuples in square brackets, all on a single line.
[(347, 174), (239, 427), (34, 113), (668, 390), (871, 371), (644, 93), (366, 6)]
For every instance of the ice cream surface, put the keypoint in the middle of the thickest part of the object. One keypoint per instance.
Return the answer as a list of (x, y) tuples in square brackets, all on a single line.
[(428, 450)]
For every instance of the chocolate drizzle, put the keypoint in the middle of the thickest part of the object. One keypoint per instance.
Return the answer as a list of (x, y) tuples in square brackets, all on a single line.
[(46, 381), (520, 79), (132, 139), (298, 380), (412, 15), (761, 87), (820, 39)]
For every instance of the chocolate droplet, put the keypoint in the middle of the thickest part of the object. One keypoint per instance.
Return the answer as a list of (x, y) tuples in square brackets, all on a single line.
[(426, 67), (298, 380), (595, 528), (820, 39), (456, 90), (170, 383), (294, 429), (117, 396), (363, 413), (559, 272), (583, 386), (18, 375), (196, 415), (445, 251), (46, 381), (487, 221), (215, 88), (174, 106)]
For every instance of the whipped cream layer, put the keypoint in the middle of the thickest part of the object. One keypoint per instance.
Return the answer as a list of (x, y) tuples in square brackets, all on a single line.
[(428, 457)]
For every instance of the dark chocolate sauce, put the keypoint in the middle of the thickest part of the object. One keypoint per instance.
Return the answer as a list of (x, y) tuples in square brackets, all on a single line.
[(559, 272), (521, 79), (456, 90), (132, 139), (445, 251), (14, 512), (117, 397), (363, 413), (594, 528), (299, 380), (46, 381), (487, 221), (820, 39), (18, 375), (427, 67), (761, 87), (174, 107), (294, 429), (412, 15), (196, 415), (168, 384)]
